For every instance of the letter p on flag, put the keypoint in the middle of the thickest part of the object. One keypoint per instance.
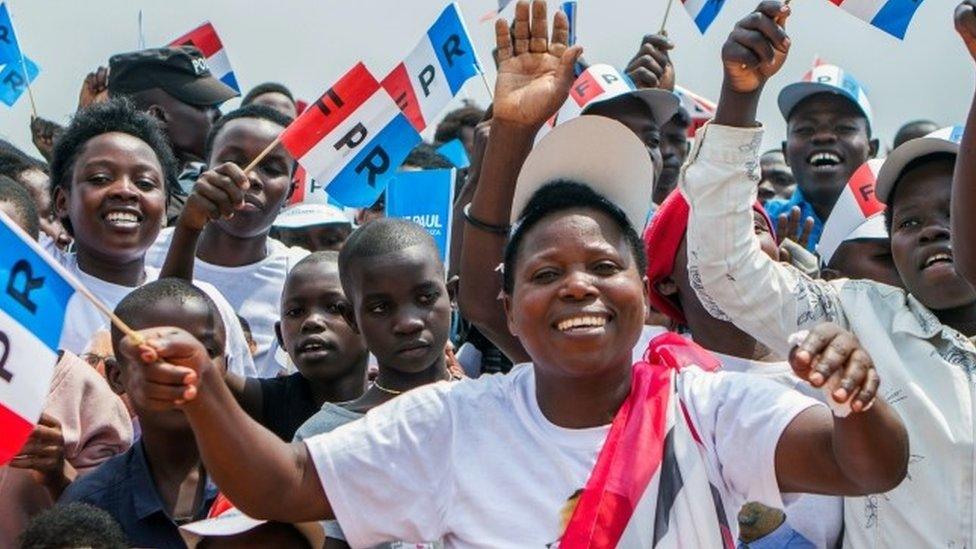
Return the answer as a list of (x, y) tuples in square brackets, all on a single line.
[(352, 139)]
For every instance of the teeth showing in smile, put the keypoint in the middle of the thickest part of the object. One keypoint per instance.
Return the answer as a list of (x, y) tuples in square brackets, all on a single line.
[(824, 159), (124, 219), (938, 258), (581, 322)]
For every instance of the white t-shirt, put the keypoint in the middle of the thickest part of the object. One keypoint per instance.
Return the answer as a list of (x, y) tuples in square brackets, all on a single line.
[(477, 464), (82, 319), (253, 290)]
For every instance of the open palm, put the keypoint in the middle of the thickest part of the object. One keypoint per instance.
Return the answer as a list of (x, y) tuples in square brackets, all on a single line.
[(534, 73)]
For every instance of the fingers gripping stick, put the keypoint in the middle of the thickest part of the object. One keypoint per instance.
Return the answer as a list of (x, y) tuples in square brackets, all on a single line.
[(831, 385)]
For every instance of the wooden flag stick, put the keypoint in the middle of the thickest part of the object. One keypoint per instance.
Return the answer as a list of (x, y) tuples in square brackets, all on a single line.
[(118, 322), (664, 23), (484, 79), (267, 150)]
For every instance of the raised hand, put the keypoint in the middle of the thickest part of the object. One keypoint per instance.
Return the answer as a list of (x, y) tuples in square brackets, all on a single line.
[(534, 71), (965, 18), (165, 369), (757, 47), (829, 355), (43, 134), (94, 89), (788, 226), (217, 193), (651, 67)]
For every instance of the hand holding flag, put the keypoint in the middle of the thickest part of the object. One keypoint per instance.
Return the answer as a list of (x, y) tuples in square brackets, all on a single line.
[(756, 48), (534, 73), (965, 18), (651, 66)]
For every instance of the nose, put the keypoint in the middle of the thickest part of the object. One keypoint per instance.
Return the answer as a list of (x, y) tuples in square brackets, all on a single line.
[(577, 286), (935, 231), (824, 134), (124, 189), (407, 323), (313, 324)]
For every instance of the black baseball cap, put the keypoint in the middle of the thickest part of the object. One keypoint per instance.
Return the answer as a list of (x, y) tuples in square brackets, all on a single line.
[(180, 71)]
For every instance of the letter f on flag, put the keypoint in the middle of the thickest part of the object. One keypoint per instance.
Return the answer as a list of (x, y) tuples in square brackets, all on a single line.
[(16, 71)]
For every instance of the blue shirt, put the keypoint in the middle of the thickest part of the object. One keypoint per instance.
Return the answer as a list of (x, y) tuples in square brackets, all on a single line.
[(123, 487), (779, 206), (783, 537)]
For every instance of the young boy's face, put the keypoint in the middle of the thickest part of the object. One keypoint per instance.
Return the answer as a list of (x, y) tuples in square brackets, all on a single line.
[(868, 259), (195, 317), (920, 237), (116, 199), (240, 142), (402, 307), (313, 330), (827, 141), (320, 238)]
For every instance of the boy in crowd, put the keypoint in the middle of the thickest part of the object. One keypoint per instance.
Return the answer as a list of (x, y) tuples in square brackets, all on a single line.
[(776, 178), (273, 95), (919, 337), (828, 137), (674, 151), (34, 176), (313, 227), (160, 482), (329, 355), (914, 130), (225, 242)]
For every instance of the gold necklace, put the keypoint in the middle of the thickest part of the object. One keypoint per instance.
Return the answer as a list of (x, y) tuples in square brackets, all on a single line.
[(385, 390)]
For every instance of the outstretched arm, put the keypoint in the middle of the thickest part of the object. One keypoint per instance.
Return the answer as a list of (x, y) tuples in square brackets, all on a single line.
[(964, 181), (534, 76), (865, 452), (173, 370)]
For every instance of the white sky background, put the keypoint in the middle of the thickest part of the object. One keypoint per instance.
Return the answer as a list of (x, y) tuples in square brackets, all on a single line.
[(308, 44)]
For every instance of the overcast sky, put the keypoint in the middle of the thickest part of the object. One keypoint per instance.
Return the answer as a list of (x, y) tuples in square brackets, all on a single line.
[(307, 44)]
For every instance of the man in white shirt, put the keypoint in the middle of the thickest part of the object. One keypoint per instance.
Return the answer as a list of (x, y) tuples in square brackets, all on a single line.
[(919, 338)]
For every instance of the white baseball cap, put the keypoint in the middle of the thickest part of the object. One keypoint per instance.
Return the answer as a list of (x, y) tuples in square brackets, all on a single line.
[(825, 78), (309, 215), (232, 522), (598, 152), (945, 140)]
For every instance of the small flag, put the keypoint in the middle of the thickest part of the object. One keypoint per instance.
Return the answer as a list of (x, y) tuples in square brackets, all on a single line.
[(891, 16), (36, 293), (13, 80), (571, 9), (597, 83), (425, 197), (700, 109), (703, 12), (454, 151), (858, 202), (206, 40), (433, 73), (350, 141)]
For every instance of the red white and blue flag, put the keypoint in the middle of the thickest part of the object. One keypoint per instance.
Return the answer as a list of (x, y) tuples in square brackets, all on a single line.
[(205, 39), (32, 311), (434, 72), (700, 109), (350, 141), (650, 487), (891, 16), (703, 12)]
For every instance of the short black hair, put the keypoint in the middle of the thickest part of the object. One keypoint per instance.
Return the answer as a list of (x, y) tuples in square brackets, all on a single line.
[(245, 327), (913, 130), (16, 195), (426, 157), (316, 258), (681, 118), (114, 115), (73, 525), (260, 112), (14, 161), (147, 296), (559, 196), (914, 164), (450, 127), (379, 237), (266, 87)]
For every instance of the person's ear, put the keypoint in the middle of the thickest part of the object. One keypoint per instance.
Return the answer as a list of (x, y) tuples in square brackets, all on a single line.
[(292, 187), (786, 158), (875, 146), (159, 113), (453, 285), (114, 375), (507, 305), (60, 208), (667, 287), (277, 329)]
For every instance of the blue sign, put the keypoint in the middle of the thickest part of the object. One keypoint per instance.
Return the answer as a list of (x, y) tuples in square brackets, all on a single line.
[(425, 197)]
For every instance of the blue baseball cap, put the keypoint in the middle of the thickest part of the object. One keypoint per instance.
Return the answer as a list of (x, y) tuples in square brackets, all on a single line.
[(825, 79)]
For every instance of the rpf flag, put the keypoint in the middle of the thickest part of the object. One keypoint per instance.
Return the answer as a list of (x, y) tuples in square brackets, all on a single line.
[(425, 197), (700, 110), (434, 72), (35, 294), (350, 141), (571, 9), (454, 151), (206, 40), (858, 202), (597, 83), (703, 12), (891, 16), (13, 78)]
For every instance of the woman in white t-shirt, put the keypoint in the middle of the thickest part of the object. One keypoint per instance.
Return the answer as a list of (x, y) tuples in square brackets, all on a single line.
[(110, 175), (503, 461)]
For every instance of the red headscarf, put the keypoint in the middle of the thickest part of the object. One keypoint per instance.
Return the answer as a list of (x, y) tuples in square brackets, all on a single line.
[(662, 238)]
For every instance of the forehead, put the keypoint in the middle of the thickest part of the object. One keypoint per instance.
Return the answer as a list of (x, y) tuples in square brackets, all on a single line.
[(395, 272), (272, 98), (772, 157), (310, 280), (118, 148), (825, 105), (927, 183), (246, 131), (572, 230), (193, 315), (629, 111)]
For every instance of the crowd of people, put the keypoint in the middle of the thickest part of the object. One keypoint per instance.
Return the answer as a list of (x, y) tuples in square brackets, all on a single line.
[(642, 338)]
